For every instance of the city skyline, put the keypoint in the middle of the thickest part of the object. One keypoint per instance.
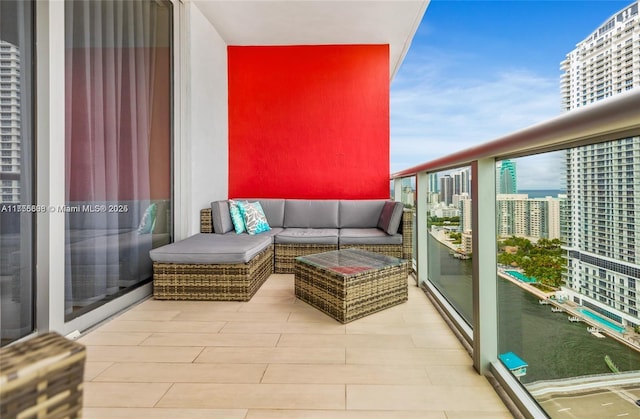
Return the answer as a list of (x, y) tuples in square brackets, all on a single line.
[(463, 73)]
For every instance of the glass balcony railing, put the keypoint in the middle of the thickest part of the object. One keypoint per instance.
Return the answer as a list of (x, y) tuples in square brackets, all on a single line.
[(536, 258), (449, 238)]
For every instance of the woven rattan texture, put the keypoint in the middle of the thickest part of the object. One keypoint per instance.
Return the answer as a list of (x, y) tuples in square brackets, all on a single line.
[(222, 282), (286, 254), (350, 297), (407, 234), (42, 378), (206, 221), (394, 250)]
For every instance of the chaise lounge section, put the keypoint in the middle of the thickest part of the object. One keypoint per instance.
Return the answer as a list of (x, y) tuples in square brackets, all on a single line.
[(220, 264), (212, 267)]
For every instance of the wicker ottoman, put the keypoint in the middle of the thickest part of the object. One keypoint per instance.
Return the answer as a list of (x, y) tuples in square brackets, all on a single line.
[(213, 282), (350, 284), (215, 267), (42, 377)]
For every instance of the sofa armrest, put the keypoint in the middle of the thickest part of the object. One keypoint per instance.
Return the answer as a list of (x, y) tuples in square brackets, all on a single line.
[(407, 234), (206, 222)]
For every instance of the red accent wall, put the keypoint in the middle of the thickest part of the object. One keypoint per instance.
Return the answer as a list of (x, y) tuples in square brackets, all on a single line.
[(309, 121)]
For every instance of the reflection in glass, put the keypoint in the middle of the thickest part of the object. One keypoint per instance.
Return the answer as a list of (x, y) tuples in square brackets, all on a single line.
[(118, 145), (566, 283), (449, 239), (17, 209)]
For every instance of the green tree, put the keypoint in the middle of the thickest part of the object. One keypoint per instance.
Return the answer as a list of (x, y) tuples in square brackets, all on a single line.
[(507, 258), (545, 261)]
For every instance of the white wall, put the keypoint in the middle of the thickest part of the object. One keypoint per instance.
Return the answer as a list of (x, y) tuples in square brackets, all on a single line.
[(207, 117)]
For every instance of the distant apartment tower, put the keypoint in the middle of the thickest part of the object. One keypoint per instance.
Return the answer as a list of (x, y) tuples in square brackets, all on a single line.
[(408, 196), (433, 183), (605, 63), (462, 182), (534, 218), (446, 189), (603, 182), (9, 123), (506, 177), (466, 215)]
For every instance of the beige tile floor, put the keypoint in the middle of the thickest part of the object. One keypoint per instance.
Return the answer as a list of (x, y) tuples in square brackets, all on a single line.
[(277, 357)]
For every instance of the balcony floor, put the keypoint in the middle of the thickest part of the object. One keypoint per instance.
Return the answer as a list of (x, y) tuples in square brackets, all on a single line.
[(277, 357)]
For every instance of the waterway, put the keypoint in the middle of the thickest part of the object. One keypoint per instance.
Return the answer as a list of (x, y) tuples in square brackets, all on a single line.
[(553, 347)]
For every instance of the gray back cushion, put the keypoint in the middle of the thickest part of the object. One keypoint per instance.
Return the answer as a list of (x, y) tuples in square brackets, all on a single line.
[(220, 217), (307, 213), (363, 213), (391, 217), (273, 210)]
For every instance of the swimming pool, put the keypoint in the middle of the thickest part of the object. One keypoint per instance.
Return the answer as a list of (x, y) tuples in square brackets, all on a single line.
[(519, 276), (602, 320)]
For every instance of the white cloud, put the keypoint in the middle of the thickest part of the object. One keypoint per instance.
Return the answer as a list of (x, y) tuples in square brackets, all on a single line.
[(435, 111), (543, 171)]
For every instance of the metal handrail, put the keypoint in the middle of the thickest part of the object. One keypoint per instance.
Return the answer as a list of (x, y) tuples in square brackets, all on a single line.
[(609, 119)]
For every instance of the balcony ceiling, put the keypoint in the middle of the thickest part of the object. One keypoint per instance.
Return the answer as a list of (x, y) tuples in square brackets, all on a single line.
[(309, 22)]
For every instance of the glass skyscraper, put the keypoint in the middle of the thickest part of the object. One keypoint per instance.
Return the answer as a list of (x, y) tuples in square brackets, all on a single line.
[(506, 177)]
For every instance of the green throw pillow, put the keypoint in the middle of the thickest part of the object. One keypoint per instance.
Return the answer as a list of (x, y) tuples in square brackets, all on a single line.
[(237, 218), (148, 221)]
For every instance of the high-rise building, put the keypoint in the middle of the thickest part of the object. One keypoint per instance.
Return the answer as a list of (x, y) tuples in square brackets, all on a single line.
[(534, 218), (466, 214), (462, 181), (605, 63), (433, 183), (506, 177), (9, 123), (603, 180), (446, 189)]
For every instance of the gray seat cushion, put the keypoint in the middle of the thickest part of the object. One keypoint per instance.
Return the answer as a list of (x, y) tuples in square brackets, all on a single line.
[(308, 236), (307, 213), (368, 236), (362, 213), (272, 233), (207, 248)]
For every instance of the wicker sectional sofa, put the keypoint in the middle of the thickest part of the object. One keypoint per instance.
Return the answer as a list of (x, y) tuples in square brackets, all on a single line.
[(219, 264)]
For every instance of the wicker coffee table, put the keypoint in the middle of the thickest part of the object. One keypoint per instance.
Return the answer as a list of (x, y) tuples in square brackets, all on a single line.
[(351, 283)]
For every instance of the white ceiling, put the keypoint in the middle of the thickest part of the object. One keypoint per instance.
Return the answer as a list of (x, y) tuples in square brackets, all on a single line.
[(313, 22)]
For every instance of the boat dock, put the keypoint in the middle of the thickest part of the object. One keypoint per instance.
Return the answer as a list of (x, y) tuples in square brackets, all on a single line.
[(595, 331)]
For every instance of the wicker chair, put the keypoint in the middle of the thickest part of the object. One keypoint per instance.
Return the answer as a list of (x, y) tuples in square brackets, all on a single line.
[(42, 378)]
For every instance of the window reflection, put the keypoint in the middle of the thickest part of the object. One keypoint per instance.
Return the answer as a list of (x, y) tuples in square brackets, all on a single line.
[(450, 238), (564, 288), (118, 145), (17, 207)]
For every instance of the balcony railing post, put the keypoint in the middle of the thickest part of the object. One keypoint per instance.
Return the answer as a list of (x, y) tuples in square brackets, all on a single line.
[(485, 304), (421, 251), (397, 189)]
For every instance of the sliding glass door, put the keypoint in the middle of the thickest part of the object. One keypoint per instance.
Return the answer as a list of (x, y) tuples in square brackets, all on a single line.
[(17, 206), (118, 146)]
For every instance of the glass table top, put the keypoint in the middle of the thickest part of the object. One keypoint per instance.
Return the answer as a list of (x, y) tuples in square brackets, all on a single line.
[(350, 261)]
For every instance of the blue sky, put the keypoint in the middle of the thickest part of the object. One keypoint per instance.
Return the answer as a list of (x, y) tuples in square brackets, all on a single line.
[(478, 70)]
